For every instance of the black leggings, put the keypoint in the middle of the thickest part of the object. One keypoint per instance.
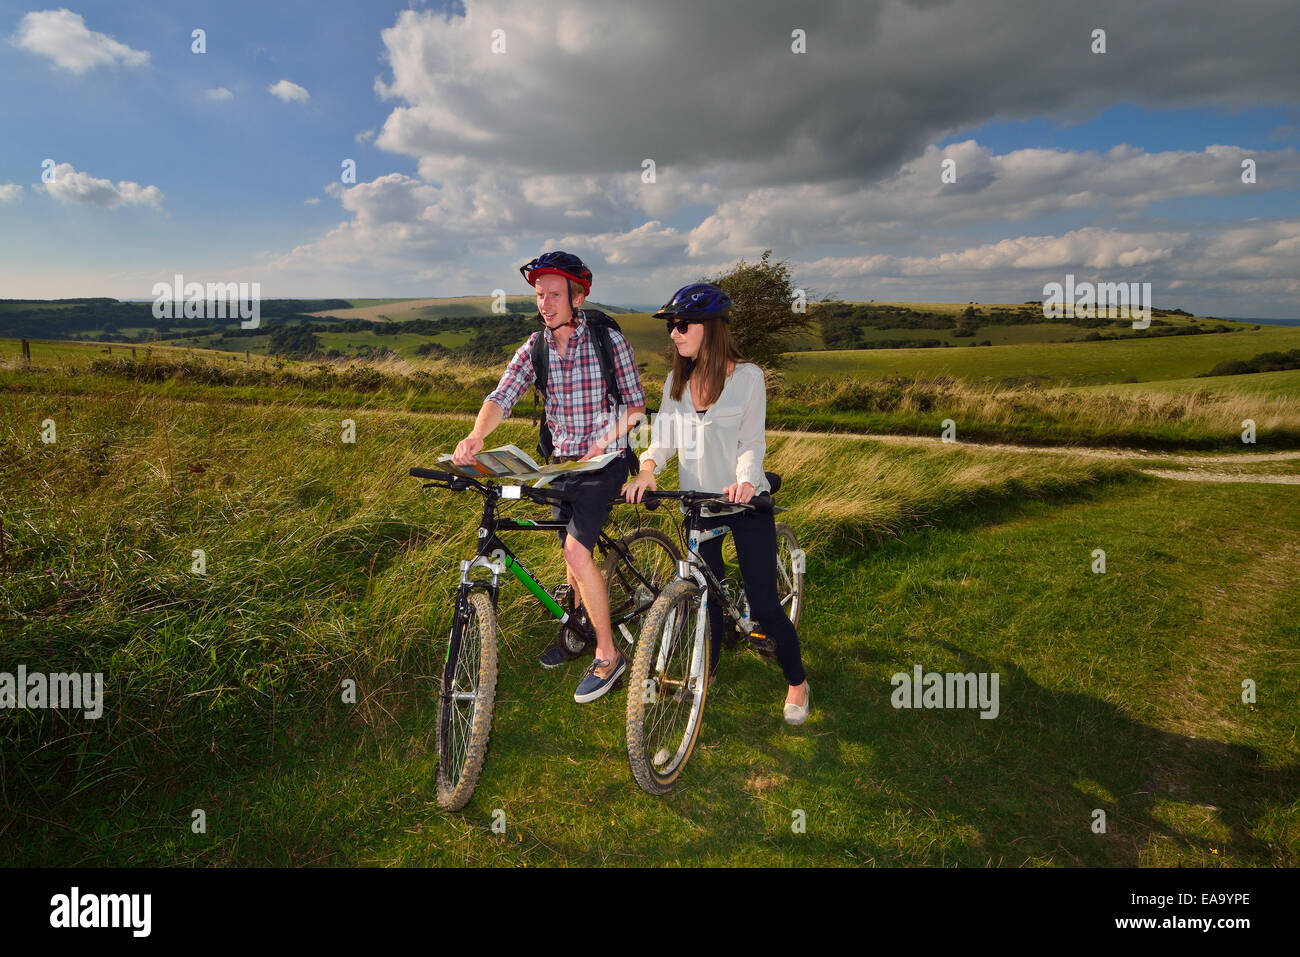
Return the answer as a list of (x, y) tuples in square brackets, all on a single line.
[(755, 537)]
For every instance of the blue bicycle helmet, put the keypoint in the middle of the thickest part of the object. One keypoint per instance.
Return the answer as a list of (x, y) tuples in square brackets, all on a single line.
[(558, 263), (699, 300)]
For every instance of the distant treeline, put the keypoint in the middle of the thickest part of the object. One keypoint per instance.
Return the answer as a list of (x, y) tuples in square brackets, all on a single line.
[(37, 319), (1264, 362), (847, 325), (492, 335)]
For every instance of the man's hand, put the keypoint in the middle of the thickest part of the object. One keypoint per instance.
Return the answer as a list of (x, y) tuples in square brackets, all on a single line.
[(741, 492), (635, 489), (597, 448), (465, 449)]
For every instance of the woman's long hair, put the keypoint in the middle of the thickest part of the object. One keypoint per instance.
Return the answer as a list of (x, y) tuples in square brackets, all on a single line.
[(709, 365)]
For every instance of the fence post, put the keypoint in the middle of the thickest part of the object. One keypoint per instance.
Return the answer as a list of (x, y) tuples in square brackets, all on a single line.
[(27, 352), (133, 352)]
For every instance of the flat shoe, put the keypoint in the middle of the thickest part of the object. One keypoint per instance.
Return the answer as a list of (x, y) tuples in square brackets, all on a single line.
[(798, 714)]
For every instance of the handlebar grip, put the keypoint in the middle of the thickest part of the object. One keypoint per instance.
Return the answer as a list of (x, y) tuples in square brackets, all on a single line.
[(432, 474)]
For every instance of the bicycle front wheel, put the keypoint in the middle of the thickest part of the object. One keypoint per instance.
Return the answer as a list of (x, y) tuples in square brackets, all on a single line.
[(665, 699), (469, 683), (789, 572)]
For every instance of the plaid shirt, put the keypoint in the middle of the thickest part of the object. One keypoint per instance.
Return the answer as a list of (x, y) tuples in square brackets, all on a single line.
[(577, 406)]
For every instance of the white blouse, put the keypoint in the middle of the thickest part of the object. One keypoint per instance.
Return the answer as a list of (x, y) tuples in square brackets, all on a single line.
[(722, 447)]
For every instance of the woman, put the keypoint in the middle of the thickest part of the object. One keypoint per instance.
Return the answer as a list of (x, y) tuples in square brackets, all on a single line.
[(712, 417)]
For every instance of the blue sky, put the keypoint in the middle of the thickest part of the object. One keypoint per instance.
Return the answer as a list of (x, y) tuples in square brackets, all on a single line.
[(1122, 166)]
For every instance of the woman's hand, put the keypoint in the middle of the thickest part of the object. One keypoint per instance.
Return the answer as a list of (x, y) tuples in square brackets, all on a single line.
[(741, 492), (636, 488)]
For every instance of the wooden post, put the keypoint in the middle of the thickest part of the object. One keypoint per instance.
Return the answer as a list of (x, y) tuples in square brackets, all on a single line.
[(110, 350), (248, 358), (133, 352), (27, 352)]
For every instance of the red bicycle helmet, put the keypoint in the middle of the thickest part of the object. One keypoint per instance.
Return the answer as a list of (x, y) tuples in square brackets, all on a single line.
[(558, 263)]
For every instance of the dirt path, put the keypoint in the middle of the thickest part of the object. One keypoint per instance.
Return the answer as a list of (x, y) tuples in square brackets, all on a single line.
[(1222, 477), (1116, 454)]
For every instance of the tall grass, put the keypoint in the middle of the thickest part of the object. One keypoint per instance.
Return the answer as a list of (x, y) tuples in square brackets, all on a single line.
[(324, 562), (1195, 418)]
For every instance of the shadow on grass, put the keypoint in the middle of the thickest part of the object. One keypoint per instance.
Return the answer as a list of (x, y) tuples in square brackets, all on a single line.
[(1029, 781), (985, 507)]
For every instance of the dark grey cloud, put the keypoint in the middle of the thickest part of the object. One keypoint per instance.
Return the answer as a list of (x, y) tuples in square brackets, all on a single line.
[(593, 88)]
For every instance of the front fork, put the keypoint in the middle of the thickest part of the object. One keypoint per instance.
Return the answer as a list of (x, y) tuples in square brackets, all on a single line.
[(687, 571), (460, 614)]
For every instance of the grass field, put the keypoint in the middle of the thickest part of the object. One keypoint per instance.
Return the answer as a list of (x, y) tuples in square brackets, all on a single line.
[(1267, 385), (1119, 691), (1036, 346), (1196, 418), (1071, 363)]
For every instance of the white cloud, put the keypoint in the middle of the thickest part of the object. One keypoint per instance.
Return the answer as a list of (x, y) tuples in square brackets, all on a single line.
[(219, 94), (70, 186), (289, 92), (313, 201), (11, 193), (62, 37), (1118, 183), (1091, 248), (1220, 267), (651, 244), (365, 136)]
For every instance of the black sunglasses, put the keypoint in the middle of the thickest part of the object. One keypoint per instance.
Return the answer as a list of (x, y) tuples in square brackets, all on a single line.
[(681, 325)]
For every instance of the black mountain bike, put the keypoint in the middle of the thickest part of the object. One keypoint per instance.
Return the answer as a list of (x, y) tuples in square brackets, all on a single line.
[(636, 567), (668, 685)]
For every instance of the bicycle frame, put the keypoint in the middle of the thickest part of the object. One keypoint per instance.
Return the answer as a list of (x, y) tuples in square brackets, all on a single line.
[(494, 555)]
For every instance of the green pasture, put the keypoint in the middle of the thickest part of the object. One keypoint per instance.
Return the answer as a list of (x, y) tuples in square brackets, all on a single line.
[(1070, 363), (1120, 690), (1268, 385)]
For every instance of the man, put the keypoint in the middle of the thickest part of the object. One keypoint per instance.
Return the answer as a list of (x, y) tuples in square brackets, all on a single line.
[(582, 426)]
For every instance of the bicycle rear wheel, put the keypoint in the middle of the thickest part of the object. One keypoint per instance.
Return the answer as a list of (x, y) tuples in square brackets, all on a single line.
[(637, 573), (469, 683), (789, 572), (666, 696)]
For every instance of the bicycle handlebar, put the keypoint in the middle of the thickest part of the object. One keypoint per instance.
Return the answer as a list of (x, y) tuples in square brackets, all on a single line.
[(759, 503), (459, 483)]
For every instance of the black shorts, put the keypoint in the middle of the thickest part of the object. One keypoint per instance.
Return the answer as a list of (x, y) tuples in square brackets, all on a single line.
[(588, 514)]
